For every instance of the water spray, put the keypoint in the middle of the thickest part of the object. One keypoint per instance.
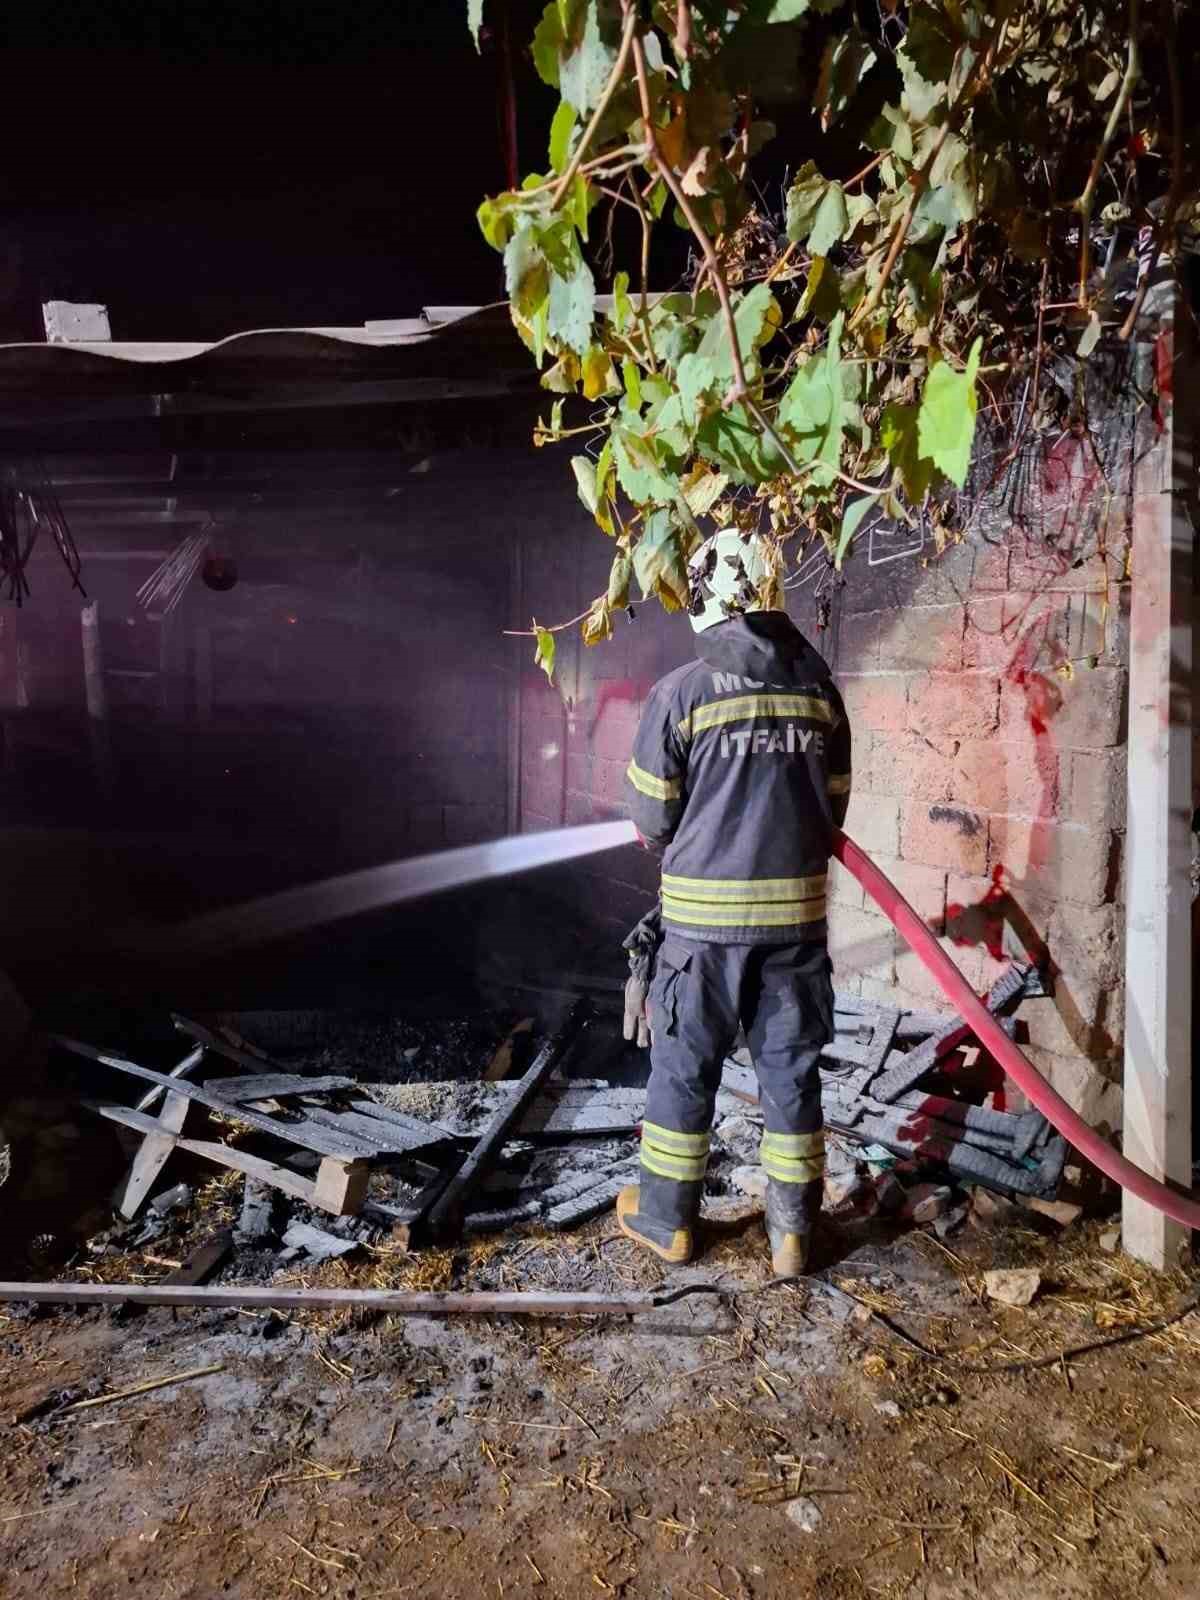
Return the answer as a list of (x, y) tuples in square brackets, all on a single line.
[(352, 894)]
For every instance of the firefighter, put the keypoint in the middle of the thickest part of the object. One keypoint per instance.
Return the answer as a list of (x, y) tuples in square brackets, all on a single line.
[(740, 770)]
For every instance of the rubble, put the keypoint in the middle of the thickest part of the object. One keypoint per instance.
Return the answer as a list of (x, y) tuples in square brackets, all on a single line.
[(330, 1161), (1012, 1286), (804, 1513)]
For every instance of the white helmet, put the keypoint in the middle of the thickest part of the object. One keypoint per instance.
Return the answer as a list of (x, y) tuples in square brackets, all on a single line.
[(730, 574)]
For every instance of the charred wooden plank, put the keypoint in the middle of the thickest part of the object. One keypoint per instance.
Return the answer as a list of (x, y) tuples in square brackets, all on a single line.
[(445, 1216)]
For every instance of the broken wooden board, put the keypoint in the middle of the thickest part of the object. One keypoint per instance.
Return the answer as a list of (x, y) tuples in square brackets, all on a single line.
[(339, 1187), (274, 1086), (579, 1109), (152, 1155), (905, 1071)]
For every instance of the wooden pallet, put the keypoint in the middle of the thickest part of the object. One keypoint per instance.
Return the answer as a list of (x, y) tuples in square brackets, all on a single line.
[(292, 1108)]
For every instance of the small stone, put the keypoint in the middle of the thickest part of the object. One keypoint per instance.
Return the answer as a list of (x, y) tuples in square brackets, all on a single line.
[(805, 1513), (1060, 1211), (990, 1208), (750, 1181), (1012, 1286), (926, 1202), (1110, 1240), (887, 1408)]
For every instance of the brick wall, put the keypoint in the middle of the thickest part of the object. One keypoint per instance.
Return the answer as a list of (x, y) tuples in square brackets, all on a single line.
[(989, 763)]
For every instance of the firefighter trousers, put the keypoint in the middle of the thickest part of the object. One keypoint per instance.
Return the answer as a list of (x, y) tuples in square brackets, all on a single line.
[(701, 996)]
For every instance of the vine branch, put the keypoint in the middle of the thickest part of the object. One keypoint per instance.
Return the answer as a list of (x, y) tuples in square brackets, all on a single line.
[(1087, 199)]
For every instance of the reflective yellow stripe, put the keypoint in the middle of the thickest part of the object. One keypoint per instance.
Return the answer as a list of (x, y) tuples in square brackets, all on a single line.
[(839, 784), (700, 915), (684, 1169), (793, 1145), (794, 1171), (744, 891), (744, 707), (680, 1144), (646, 783)]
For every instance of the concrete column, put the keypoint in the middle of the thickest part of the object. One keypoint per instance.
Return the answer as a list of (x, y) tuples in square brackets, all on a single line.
[(1158, 1064)]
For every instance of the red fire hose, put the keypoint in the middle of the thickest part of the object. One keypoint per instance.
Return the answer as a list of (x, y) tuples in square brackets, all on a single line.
[(1182, 1207)]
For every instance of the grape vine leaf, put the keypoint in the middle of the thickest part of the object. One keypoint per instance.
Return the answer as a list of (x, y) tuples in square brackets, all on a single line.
[(561, 129), (572, 307), (543, 656), (584, 69), (813, 410), (585, 481), (852, 515), (830, 222), (946, 422), (547, 44), (898, 436), (757, 317), (658, 562), (619, 576), (639, 473)]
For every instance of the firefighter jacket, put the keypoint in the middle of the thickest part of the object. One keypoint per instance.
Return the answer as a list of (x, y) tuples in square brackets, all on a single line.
[(740, 769)]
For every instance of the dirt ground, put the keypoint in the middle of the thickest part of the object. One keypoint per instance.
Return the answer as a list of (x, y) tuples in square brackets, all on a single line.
[(781, 1443)]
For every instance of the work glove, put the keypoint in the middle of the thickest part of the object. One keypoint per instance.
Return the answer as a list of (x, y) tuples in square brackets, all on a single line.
[(637, 1018), (642, 944)]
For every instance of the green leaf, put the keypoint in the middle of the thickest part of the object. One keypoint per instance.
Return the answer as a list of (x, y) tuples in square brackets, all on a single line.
[(830, 221), (946, 424), (756, 317), (891, 131), (572, 307), (638, 469), (804, 201), (586, 64), (633, 383), (852, 514), (931, 43), (898, 436), (547, 44), (696, 377), (733, 441), (621, 314), (526, 271), (543, 656), (496, 221), (475, 19), (619, 576), (585, 481), (561, 129), (599, 374), (658, 562), (813, 410)]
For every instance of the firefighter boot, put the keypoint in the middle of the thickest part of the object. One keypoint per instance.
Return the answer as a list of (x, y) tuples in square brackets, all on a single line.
[(659, 1213), (792, 1210)]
